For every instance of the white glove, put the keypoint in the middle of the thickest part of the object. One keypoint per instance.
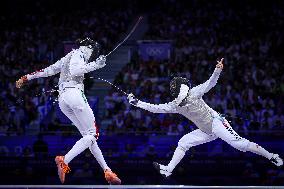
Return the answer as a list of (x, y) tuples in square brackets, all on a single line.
[(101, 60), (132, 100)]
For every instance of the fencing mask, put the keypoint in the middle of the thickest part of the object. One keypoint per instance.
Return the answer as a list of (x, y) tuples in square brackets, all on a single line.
[(175, 85), (95, 46)]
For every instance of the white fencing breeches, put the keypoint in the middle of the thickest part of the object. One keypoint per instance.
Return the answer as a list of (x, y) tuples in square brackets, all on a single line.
[(223, 130), (220, 129), (74, 105)]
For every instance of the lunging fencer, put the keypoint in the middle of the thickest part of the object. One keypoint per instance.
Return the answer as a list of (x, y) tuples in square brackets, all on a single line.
[(211, 125), (73, 102)]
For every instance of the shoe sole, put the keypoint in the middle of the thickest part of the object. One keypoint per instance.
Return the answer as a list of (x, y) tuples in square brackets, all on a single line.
[(157, 167), (115, 182), (279, 166), (57, 161)]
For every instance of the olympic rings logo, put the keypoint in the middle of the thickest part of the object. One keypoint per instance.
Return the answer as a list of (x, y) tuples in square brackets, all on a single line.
[(154, 51)]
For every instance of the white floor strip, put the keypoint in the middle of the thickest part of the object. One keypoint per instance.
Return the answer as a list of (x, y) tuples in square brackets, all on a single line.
[(132, 186)]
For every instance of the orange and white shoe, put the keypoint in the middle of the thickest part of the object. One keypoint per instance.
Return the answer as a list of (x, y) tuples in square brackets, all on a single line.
[(112, 178), (62, 168)]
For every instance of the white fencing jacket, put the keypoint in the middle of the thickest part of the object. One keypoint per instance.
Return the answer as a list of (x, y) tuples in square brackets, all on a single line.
[(72, 68), (195, 109)]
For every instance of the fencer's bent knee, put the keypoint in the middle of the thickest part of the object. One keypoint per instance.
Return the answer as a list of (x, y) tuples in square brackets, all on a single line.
[(183, 145), (89, 140), (182, 148)]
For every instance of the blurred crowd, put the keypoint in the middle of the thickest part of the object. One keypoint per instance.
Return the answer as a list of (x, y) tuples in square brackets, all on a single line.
[(250, 88), (249, 91), (32, 38)]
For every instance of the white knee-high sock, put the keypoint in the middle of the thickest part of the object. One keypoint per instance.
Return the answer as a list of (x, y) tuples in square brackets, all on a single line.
[(96, 151), (177, 157), (255, 148), (78, 148)]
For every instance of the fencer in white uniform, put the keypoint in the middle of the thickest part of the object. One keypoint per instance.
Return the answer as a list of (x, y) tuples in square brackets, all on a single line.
[(73, 103), (211, 125)]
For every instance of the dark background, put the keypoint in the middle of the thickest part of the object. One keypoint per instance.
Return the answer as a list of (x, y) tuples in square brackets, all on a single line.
[(248, 34)]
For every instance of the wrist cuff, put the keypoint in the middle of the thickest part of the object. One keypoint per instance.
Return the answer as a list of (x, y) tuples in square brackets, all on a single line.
[(24, 78)]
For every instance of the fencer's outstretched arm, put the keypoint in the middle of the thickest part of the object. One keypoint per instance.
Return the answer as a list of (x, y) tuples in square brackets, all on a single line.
[(203, 88), (156, 108), (46, 72), (160, 108), (79, 66)]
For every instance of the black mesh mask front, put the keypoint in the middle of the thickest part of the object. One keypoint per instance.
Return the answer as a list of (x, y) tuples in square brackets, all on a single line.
[(95, 46), (175, 85)]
